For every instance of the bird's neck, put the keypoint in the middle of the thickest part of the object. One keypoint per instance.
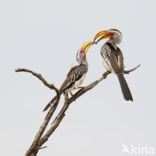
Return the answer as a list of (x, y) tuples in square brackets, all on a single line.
[(84, 62), (112, 43)]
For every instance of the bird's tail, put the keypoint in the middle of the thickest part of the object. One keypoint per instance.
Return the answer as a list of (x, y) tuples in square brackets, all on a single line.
[(51, 102), (124, 87)]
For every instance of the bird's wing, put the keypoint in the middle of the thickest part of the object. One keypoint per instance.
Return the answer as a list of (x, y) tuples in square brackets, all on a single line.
[(73, 75), (110, 56), (120, 60), (114, 64)]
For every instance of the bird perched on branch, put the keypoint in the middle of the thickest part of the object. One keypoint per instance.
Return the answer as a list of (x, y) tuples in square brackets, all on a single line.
[(113, 58), (76, 75)]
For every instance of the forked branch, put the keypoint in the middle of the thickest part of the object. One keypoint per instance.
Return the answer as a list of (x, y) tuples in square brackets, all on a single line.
[(40, 139)]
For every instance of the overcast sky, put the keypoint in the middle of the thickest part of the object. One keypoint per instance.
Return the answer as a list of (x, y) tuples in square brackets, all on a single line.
[(44, 35)]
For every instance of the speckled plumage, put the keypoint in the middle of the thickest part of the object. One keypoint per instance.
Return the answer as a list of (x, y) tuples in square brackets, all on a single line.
[(74, 78)]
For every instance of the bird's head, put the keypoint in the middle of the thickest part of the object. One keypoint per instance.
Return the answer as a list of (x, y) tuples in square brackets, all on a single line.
[(81, 54), (113, 35)]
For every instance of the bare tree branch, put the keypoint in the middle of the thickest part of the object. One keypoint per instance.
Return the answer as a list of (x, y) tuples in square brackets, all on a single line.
[(39, 76), (40, 139), (128, 71), (34, 145)]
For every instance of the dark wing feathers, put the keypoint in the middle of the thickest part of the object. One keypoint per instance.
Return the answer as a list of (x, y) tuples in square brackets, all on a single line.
[(114, 56), (74, 74), (120, 60)]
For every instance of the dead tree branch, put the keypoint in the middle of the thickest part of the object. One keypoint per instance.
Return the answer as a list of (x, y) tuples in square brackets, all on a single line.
[(40, 139), (34, 147), (128, 71), (39, 76)]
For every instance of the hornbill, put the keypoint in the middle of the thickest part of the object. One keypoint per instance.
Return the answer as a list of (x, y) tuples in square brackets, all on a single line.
[(76, 75), (112, 57)]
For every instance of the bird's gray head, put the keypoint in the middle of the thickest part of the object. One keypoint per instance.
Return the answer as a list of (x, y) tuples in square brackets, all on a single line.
[(81, 54), (114, 35)]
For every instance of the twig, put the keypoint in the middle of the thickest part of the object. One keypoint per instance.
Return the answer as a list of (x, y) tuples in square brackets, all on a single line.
[(39, 76), (42, 147), (128, 71)]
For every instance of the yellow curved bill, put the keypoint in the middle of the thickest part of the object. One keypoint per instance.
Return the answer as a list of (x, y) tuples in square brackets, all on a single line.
[(105, 34), (87, 45)]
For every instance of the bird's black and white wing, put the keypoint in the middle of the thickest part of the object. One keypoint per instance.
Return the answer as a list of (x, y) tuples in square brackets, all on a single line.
[(74, 78), (110, 58)]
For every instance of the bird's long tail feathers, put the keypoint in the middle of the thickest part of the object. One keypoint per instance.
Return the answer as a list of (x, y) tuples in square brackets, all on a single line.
[(124, 87), (52, 101), (49, 104)]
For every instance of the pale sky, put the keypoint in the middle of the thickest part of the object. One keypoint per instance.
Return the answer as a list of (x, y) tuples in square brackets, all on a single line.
[(44, 35)]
